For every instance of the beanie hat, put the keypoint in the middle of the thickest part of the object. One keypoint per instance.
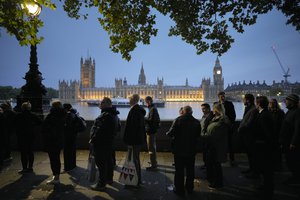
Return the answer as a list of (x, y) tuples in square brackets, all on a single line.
[(293, 97)]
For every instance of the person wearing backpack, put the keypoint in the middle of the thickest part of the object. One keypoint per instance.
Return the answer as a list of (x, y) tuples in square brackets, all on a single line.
[(103, 132), (70, 136), (151, 125)]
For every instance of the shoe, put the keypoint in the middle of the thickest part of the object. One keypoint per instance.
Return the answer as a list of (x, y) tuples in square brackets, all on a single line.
[(109, 182), (98, 187), (152, 168), (53, 182)]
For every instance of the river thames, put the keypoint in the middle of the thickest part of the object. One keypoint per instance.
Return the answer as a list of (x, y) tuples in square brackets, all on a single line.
[(169, 112)]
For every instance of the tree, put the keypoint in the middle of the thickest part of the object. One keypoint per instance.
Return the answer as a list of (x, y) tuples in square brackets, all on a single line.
[(201, 23)]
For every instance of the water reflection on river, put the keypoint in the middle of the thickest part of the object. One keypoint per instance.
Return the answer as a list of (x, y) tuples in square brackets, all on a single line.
[(169, 112)]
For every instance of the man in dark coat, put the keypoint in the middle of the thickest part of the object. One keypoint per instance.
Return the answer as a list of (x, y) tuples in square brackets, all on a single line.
[(185, 130), (290, 137), (53, 131), (246, 131), (264, 146), (26, 122), (10, 119), (230, 113), (152, 124), (2, 133), (135, 133), (102, 135), (70, 136)]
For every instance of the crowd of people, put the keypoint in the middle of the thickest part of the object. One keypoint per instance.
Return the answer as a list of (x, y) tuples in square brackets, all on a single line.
[(265, 133)]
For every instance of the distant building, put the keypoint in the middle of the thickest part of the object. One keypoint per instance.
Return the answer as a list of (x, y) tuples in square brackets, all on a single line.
[(86, 90), (276, 90)]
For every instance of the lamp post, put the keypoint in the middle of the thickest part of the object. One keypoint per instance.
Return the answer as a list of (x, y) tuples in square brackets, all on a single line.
[(33, 91)]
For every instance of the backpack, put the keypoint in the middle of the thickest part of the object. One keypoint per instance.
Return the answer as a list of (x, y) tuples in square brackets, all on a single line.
[(80, 123)]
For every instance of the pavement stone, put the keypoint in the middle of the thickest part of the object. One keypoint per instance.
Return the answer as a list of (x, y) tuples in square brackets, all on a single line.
[(156, 185)]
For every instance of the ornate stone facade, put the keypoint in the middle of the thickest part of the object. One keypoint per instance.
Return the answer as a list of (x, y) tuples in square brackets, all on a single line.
[(86, 90)]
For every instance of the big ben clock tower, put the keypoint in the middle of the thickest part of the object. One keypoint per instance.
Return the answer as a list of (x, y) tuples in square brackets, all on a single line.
[(218, 76)]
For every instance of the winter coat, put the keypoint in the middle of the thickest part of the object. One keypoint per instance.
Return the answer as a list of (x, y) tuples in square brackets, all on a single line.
[(184, 133), (216, 138), (53, 129), (290, 129), (152, 120), (26, 123), (70, 124), (105, 127), (135, 133), (229, 111), (246, 128)]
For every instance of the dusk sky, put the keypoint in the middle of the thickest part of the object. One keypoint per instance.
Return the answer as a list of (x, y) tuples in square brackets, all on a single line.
[(67, 40)]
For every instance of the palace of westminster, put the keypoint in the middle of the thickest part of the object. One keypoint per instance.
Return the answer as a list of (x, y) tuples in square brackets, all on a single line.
[(85, 89)]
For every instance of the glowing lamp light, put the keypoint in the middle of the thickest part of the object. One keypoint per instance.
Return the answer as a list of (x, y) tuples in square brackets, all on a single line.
[(33, 8)]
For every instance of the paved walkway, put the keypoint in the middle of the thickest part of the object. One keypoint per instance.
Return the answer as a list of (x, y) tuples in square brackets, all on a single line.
[(156, 185)]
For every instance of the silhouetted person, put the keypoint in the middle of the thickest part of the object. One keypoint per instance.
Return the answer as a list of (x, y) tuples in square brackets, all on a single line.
[(277, 116), (25, 123), (185, 130), (53, 130), (215, 139), (290, 137), (102, 135), (230, 113), (70, 136), (205, 120), (246, 131), (10, 119), (135, 133), (264, 146), (152, 124), (2, 135)]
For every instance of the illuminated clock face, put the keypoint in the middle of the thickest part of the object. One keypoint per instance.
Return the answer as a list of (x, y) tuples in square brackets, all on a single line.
[(218, 71)]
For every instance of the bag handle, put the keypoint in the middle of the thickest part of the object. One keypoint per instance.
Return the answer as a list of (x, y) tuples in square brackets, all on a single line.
[(130, 153)]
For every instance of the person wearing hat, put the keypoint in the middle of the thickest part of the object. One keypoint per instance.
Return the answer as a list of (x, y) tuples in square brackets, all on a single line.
[(290, 137)]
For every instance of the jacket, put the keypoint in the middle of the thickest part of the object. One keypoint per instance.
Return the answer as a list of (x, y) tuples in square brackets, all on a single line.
[(53, 129), (105, 127), (290, 129), (135, 133), (216, 138), (185, 131), (152, 120)]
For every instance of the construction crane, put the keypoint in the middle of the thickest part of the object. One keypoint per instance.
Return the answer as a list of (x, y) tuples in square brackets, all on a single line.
[(285, 72)]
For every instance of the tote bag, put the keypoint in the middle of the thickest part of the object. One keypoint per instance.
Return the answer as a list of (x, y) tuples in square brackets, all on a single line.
[(91, 167), (128, 175)]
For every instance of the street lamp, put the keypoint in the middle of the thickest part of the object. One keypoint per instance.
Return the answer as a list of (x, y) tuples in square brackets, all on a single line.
[(33, 91)]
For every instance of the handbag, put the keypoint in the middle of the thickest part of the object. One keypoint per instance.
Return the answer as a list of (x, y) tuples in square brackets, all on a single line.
[(128, 175), (91, 167)]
